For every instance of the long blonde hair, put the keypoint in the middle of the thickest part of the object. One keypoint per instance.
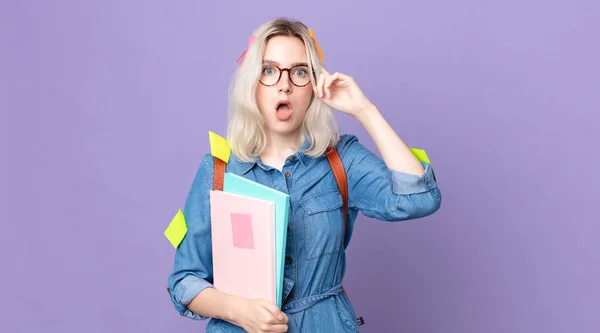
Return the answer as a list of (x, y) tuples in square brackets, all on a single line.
[(246, 132)]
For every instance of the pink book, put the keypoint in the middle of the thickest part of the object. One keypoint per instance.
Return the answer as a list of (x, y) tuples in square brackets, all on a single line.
[(243, 245)]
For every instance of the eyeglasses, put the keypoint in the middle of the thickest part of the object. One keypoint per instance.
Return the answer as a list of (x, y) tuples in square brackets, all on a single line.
[(271, 74)]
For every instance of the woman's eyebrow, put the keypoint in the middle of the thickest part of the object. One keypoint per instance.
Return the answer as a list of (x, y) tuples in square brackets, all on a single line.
[(271, 62)]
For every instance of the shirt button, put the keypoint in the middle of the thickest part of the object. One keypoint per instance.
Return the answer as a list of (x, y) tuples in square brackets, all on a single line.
[(289, 227), (288, 260), (291, 294), (287, 174), (292, 159)]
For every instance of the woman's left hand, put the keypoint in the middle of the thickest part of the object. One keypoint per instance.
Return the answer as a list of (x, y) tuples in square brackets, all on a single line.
[(341, 92)]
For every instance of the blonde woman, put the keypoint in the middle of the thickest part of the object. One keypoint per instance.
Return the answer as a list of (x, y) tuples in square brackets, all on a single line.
[(280, 127)]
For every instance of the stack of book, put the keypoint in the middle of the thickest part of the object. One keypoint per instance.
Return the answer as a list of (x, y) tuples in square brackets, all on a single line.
[(249, 232)]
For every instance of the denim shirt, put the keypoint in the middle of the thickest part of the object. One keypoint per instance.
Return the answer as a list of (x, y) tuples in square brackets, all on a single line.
[(315, 260)]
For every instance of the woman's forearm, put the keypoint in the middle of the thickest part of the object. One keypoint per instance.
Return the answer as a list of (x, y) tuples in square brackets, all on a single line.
[(215, 304), (395, 153)]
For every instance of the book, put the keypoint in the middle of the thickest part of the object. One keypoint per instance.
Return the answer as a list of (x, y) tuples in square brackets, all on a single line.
[(246, 187), (243, 245)]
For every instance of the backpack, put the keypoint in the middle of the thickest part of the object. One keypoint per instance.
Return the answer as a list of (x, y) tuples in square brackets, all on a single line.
[(339, 173)]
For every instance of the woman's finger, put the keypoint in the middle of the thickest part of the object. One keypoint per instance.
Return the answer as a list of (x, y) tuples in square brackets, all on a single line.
[(321, 84), (331, 80)]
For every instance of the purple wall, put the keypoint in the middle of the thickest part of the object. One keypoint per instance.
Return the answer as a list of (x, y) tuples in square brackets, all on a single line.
[(106, 108)]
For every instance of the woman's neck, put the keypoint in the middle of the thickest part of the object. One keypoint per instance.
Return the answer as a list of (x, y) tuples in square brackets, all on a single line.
[(278, 149)]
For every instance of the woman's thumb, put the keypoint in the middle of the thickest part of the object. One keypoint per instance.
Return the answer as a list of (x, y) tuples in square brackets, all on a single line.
[(277, 313)]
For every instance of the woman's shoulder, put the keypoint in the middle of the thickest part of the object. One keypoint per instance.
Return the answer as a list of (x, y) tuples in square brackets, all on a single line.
[(207, 161), (206, 167), (347, 138), (232, 165), (346, 143)]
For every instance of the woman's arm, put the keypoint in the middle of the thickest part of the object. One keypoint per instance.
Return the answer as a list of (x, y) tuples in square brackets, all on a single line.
[(342, 93), (252, 314), (398, 188), (192, 269), (396, 155), (383, 193)]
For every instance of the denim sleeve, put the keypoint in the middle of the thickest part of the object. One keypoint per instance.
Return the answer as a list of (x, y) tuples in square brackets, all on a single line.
[(192, 271), (385, 194)]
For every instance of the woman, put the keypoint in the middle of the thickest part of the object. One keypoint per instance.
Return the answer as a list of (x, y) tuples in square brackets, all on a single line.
[(281, 124)]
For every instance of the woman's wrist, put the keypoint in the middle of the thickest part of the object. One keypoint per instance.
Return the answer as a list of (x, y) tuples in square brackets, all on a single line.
[(235, 307)]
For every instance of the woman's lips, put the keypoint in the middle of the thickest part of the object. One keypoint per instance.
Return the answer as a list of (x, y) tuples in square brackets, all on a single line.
[(283, 112)]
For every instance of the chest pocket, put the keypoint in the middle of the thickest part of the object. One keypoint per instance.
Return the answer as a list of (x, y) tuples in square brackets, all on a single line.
[(323, 223)]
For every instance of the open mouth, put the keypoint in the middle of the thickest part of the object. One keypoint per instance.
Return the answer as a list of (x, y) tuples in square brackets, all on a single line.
[(283, 110)]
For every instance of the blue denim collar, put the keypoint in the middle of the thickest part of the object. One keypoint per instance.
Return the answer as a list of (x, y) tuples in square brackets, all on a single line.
[(245, 167)]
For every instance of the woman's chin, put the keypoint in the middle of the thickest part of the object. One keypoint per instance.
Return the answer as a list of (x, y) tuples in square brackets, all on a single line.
[(283, 128)]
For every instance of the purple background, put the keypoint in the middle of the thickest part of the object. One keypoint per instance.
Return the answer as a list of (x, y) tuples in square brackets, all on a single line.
[(106, 108)]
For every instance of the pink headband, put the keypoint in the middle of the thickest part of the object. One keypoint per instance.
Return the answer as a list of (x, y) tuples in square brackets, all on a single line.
[(310, 32)]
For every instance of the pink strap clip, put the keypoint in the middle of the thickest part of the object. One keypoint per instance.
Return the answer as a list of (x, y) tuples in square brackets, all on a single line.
[(240, 58)]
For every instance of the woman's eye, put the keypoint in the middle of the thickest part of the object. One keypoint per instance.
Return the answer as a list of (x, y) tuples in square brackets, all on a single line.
[(300, 72), (269, 71)]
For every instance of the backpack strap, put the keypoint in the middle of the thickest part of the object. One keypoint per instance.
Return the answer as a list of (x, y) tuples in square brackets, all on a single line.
[(340, 177), (219, 174), (220, 150)]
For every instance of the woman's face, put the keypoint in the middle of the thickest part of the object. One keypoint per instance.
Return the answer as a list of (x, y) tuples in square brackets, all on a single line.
[(284, 102)]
